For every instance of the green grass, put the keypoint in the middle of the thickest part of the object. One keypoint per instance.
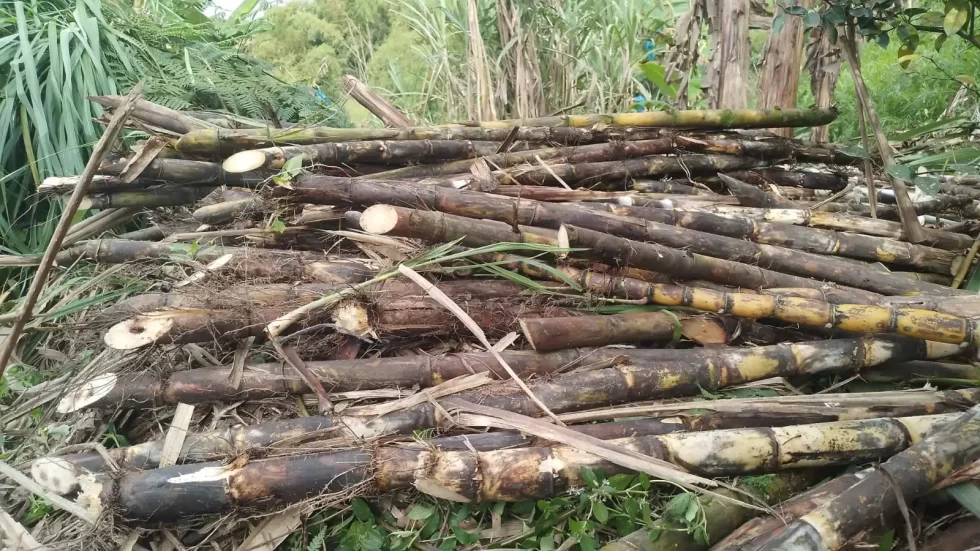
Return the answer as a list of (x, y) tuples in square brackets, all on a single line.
[(903, 99)]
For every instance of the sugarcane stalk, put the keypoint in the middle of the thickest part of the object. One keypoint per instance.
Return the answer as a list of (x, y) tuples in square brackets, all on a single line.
[(669, 143), (375, 151), (261, 263), (800, 194), (559, 194), (62, 185), (389, 309), (435, 227), (438, 227), (757, 531), (726, 251), (794, 178), (154, 114), (261, 381), (180, 171), (909, 474), (104, 221), (60, 473), (751, 196), (928, 206), (779, 259), (721, 516), (839, 222), (649, 374), (670, 200), (659, 186), (228, 211), (546, 334), (149, 233), (965, 265), (590, 174), (709, 119), (522, 474), (226, 142), (238, 439), (157, 232), (373, 102), (916, 322), (812, 240), (165, 196)]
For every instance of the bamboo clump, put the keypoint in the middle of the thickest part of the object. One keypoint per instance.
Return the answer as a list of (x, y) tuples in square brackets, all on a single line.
[(593, 280)]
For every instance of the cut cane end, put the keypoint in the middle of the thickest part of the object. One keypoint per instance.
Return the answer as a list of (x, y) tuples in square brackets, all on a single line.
[(527, 333), (55, 474), (244, 161), (136, 332), (85, 204), (563, 242), (379, 219), (352, 318), (90, 494), (87, 393)]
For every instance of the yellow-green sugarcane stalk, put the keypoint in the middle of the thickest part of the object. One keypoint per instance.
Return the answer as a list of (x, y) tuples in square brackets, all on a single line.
[(919, 323), (861, 318), (874, 499), (224, 142), (710, 119), (524, 474)]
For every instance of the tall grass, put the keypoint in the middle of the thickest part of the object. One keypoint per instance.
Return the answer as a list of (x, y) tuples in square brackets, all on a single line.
[(587, 54), (904, 99), (54, 53)]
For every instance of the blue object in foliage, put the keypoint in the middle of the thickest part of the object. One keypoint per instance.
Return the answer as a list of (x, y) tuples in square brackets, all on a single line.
[(648, 45), (639, 102)]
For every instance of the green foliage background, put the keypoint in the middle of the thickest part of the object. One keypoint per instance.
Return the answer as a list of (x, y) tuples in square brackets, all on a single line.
[(54, 53)]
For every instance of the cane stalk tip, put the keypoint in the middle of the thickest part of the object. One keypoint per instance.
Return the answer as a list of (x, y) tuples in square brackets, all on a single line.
[(563, 241), (55, 474), (87, 393), (379, 219), (244, 161), (137, 332), (527, 333)]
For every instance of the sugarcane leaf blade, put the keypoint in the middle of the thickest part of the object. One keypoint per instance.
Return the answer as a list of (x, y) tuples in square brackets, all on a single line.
[(968, 495)]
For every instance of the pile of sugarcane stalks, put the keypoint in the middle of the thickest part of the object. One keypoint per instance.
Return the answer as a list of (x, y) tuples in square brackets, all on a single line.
[(544, 298)]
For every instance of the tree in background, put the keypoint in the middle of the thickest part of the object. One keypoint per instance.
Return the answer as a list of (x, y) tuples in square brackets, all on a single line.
[(318, 42), (780, 65)]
